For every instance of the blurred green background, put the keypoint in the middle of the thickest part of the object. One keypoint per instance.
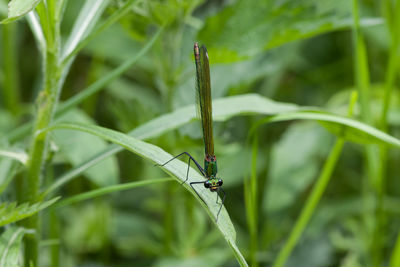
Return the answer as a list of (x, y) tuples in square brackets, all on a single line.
[(302, 52)]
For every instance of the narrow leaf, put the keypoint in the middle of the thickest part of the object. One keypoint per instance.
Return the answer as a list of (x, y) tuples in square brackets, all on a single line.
[(88, 16), (176, 168), (224, 108)]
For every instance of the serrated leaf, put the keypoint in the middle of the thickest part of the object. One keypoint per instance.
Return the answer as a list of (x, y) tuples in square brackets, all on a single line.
[(176, 168), (18, 8), (10, 246), (10, 212)]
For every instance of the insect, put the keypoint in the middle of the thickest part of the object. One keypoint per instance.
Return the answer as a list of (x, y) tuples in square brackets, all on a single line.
[(204, 102)]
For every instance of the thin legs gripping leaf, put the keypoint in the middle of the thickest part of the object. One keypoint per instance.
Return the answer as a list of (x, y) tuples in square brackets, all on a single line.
[(191, 185), (190, 159)]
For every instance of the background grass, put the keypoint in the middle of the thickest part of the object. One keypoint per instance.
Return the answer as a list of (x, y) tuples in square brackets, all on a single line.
[(306, 115)]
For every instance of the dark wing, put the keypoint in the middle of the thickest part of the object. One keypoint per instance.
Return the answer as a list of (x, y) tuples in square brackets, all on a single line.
[(203, 87)]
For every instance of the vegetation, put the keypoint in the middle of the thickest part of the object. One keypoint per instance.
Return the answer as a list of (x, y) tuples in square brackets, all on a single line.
[(94, 93)]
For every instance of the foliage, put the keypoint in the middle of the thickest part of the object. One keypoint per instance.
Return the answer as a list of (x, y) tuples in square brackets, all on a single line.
[(10, 245), (305, 124)]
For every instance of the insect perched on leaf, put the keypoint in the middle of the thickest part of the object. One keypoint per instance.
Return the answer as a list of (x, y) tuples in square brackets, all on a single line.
[(212, 182)]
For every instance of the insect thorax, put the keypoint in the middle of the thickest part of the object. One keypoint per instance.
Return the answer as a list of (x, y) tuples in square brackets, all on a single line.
[(210, 166)]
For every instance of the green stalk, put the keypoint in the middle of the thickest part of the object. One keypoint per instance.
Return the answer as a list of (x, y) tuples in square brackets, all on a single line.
[(372, 185), (361, 67), (251, 193), (393, 22), (46, 103), (10, 89), (314, 198), (311, 204)]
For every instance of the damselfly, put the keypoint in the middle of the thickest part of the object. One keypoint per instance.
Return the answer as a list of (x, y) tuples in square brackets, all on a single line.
[(204, 102)]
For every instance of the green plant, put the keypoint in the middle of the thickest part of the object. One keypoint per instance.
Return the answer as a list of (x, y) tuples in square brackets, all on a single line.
[(66, 192)]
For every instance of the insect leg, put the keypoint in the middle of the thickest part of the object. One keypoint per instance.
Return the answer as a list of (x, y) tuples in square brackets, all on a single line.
[(198, 166), (191, 185), (190, 159), (222, 203)]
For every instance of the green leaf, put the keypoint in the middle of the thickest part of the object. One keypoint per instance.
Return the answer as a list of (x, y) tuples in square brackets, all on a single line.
[(78, 38), (223, 109), (176, 168), (249, 27), (10, 246), (86, 20), (344, 127), (10, 212), (103, 174), (18, 8), (92, 89)]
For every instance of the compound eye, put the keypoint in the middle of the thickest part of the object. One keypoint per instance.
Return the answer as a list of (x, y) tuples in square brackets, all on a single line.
[(207, 184), (220, 182)]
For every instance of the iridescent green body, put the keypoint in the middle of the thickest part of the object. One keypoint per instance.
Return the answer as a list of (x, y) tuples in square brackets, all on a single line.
[(204, 101)]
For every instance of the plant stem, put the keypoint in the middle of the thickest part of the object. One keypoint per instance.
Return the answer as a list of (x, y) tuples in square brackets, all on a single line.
[(393, 22), (316, 194), (311, 204), (46, 104), (11, 92), (372, 185), (392, 9), (251, 203)]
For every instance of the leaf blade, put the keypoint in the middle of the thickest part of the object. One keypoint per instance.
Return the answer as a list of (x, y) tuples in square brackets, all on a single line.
[(18, 8), (176, 168)]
